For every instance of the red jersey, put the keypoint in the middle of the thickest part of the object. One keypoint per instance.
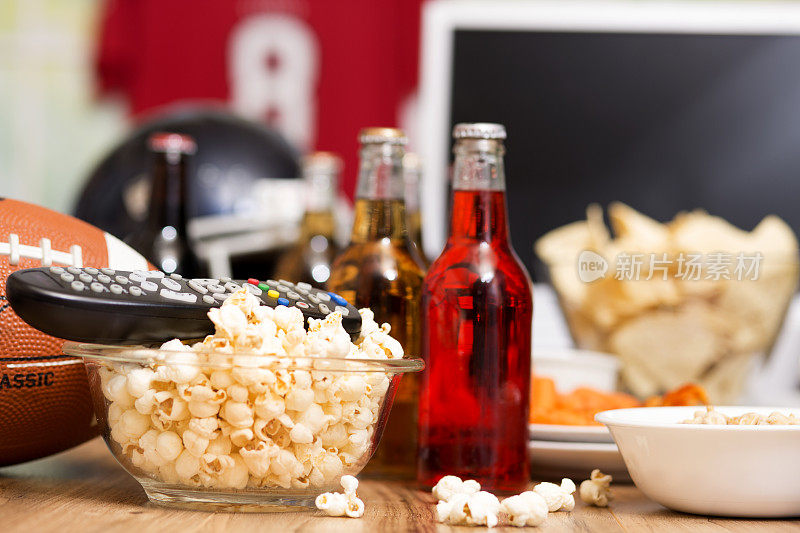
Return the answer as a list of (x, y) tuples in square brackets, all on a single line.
[(318, 70)]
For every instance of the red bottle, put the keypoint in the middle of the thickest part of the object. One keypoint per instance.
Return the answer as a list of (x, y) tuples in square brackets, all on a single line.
[(477, 313)]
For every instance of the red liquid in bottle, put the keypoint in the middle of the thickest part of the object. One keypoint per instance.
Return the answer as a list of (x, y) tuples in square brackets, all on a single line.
[(477, 315)]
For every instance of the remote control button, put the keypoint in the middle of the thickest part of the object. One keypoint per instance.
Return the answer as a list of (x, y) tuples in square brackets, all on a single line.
[(66, 276), (215, 288), (272, 282), (74, 270), (263, 286), (273, 294), (283, 301), (56, 270), (324, 309), (208, 299), (342, 310), (301, 305), (148, 286), (175, 276), (283, 288), (154, 274), (292, 295), (303, 286), (136, 277), (323, 296), (287, 283), (77, 285), (97, 287), (116, 289), (225, 279), (253, 281), (171, 284), (231, 286), (108, 271), (197, 287), (205, 281), (102, 278), (304, 292), (252, 289), (220, 296), (122, 280), (90, 270), (86, 278), (179, 296), (337, 299), (135, 291), (313, 299)]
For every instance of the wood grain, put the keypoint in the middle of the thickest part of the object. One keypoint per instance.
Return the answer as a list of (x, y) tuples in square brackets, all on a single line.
[(85, 490)]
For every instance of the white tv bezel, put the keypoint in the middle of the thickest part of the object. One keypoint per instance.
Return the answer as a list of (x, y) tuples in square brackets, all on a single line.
[(442, 18)]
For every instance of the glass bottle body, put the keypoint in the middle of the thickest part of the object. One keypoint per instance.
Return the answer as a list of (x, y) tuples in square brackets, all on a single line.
[(381, 269), (163, 238), (309, 260), (477, 313)]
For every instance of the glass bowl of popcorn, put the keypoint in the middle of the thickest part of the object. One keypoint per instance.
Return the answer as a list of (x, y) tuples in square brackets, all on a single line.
[(264, 415)]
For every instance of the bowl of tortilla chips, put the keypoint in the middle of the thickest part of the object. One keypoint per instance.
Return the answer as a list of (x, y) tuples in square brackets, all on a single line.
[(695, 299)]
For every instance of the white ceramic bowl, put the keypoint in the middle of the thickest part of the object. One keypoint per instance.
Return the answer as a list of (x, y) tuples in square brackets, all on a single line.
[(571, 368), (744, 471)]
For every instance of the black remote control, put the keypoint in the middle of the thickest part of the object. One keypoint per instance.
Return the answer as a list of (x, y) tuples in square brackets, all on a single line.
[(107, 306)]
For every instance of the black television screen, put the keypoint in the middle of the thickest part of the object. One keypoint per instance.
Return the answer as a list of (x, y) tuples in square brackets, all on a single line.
[(663, 122)]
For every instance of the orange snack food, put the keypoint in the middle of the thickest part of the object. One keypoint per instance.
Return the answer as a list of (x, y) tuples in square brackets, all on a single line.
[(578, 407)]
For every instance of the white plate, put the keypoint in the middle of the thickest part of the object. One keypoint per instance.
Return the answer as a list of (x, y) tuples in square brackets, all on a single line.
[(747, 471), (553, 432), (554, 460)]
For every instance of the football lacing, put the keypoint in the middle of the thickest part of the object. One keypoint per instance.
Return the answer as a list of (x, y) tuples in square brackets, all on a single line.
[(42, 253)]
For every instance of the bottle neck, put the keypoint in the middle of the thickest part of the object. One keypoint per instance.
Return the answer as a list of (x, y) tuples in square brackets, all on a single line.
[(168, 195), (380, 206), (380, 174), (479, 202), (320, 190), (379, 219), (317, 223)]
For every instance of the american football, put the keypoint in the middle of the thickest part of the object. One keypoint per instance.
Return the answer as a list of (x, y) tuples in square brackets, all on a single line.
[(45, 405)]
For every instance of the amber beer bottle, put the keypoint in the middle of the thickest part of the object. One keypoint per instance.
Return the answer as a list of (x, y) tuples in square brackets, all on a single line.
[(477, 314), (164, 238), (310, 259), (381, 269)]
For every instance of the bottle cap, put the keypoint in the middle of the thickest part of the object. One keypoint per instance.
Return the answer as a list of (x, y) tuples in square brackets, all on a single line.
[(322, 163), (382, 136), (172, 143), (479, 130)]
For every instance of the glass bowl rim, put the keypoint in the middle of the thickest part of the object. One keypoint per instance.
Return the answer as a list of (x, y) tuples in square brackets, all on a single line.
[(117, 354)]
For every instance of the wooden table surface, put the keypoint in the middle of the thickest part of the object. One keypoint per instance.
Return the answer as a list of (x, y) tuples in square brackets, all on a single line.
[(85, 490)]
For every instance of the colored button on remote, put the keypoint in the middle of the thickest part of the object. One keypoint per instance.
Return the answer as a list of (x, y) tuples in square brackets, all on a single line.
[(253, 281), (337, 299), (283, 301), (273, 294)]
